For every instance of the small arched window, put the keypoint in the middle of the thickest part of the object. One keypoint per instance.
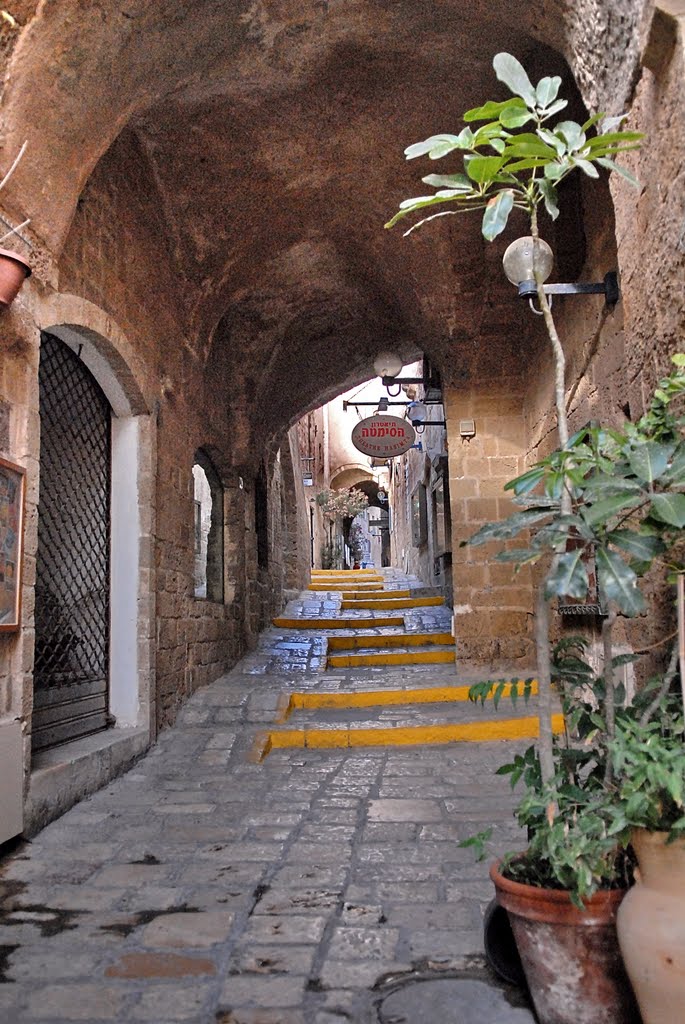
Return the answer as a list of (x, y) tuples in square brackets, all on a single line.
[(208, 503)]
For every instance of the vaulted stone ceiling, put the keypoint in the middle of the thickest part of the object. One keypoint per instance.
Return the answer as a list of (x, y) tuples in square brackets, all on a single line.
[(274, 133)]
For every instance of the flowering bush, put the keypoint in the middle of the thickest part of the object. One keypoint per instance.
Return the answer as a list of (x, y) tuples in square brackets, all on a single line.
[(346, 503)]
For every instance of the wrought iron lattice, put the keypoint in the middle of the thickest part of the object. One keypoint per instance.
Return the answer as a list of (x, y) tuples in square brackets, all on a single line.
[(72, 574)]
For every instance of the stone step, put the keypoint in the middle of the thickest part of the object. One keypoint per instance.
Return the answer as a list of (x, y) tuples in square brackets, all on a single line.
[(344, 643), (428, 655), (487, 731), (335, 587), (345, 574), (346, 700), (338, 622), (391, 602)]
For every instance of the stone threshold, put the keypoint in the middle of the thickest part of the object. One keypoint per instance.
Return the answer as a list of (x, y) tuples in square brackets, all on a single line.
[(62, 776)]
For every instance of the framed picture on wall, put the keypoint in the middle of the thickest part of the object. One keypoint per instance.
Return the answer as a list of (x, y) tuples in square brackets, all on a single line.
[(12, 487)]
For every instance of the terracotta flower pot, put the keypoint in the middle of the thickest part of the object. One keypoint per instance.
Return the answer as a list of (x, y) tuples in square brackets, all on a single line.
[(13, 272), (570, 957), (651, 928)]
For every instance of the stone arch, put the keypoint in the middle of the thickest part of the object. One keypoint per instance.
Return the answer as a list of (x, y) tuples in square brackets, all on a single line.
[(109, 356), (350, 474), (208, 524)]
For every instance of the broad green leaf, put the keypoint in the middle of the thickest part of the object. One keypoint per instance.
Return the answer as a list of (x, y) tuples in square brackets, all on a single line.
[(526, 481), (611, 166), (592, 121), (587, 167), (669, 508), (515, 117), (604, 509), (525, 165), (491, 109), (508, 528), (549, 194), (487, 134), (496, 214), (618, 582), (512, 73), (649, 460), (441, 144), (678, 359), (455, 181), (610, 124), (523, 150), (644, 547), (482, 168), (569, 576), (572, 132), (547, 90), (611, 138), (557, 144), (555, 108), (556, 170)]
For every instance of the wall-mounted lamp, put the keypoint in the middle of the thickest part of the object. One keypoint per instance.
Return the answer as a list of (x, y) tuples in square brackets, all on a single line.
[(526, 255), (387, 364), (417, 413)]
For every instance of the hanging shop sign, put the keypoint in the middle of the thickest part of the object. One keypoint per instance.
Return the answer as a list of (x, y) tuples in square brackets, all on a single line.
[(383, 436)]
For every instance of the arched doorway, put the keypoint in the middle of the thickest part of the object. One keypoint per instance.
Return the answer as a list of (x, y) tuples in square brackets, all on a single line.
[(72, 614)]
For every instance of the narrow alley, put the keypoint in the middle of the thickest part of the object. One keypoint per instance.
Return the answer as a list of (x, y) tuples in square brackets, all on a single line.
[(215, 882)]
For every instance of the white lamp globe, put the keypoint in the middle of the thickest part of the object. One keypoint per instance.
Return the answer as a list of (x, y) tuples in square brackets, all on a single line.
[(387, 364), (526, 255)]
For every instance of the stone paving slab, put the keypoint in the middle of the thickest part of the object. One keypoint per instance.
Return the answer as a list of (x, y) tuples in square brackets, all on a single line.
[(202, 887)]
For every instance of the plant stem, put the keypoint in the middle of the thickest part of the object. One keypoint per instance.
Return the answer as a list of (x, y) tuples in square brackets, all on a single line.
[(546, 737), (609, 694), (680, 602), (542, 609), (663, 689), (559, 357)]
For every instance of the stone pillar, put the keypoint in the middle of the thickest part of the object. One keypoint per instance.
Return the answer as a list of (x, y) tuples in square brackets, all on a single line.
[(492, 604)]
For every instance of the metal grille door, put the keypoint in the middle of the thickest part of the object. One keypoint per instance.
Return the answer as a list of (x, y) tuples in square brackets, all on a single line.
[(72, 575)]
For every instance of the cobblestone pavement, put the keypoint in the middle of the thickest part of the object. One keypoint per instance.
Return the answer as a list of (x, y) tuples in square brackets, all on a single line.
[(204, 887)]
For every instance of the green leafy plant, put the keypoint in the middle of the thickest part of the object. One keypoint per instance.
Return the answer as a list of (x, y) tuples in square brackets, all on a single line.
[(648, 761), (344, 503), (516, 158), (616, 765)]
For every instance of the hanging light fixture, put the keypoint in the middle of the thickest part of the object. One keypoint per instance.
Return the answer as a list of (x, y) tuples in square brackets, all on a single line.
[(527, 255), (387, 364)]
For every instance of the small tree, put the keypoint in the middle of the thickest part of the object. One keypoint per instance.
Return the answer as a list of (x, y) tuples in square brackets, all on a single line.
[(515, 159), (345, 503)]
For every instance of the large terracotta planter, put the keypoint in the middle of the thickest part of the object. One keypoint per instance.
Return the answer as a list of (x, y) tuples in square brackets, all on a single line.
[(570, 957), (651, 928), (13, 272)]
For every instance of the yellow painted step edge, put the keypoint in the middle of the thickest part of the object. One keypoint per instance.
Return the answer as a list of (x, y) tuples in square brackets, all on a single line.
[(339, 623), (413, 735), (377, 698), (434, 657), (391, 640)]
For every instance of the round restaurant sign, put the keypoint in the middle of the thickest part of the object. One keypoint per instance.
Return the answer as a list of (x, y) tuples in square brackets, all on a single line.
[(383, 436)]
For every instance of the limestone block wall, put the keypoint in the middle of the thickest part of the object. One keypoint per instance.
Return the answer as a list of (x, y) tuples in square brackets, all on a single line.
[(492, 606), (117, 283)]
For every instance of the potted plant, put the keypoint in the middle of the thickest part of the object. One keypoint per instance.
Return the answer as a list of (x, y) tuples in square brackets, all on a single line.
[(596, 507), (627, 513), (14, 269)]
